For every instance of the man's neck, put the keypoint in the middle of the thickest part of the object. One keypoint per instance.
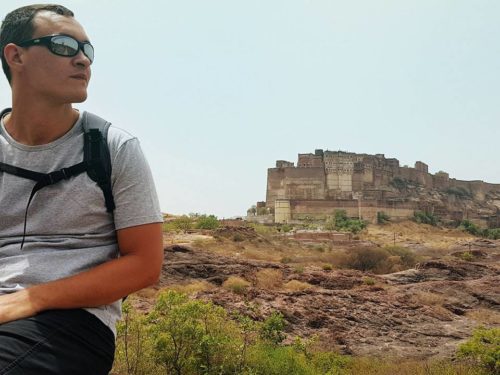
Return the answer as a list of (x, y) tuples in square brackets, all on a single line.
[(39, 124)]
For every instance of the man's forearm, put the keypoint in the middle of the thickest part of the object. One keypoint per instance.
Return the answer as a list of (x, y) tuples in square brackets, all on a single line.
[(100, 285)]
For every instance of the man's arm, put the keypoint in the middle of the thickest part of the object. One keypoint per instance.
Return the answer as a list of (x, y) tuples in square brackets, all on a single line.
[(141, 249)]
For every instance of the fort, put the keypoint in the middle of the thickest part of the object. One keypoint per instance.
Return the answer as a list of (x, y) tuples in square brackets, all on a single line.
[(363, 185)]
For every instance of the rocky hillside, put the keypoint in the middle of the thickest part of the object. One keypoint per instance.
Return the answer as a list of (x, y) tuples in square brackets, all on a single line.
[(421, 312)]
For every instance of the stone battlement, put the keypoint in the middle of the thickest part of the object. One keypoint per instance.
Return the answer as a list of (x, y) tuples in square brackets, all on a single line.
[(339, 176)]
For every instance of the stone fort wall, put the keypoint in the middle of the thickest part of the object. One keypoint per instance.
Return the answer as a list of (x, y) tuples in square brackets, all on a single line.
[(326, 180)]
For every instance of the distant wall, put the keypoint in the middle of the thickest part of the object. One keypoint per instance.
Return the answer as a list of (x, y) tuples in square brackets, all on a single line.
[(329, 180), (322, 210)]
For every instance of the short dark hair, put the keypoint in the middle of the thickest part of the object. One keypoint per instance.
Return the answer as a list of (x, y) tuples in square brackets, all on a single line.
[(18, 27)]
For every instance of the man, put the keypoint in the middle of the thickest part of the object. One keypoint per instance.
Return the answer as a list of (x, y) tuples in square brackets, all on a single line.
[(65, 261)]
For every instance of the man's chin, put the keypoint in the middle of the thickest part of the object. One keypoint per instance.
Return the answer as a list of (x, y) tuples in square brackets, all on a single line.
[(79, 98)]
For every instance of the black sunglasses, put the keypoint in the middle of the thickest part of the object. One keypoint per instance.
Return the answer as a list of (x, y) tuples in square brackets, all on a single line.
[(62, 45)]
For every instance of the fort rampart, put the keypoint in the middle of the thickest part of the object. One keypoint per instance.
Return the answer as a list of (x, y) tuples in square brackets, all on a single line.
[(363, 185)]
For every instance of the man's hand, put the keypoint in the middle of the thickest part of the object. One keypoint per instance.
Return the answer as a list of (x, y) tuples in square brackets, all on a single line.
[(15, 306)]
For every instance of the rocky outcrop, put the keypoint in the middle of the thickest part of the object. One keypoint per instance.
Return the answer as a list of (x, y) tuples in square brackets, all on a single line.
[(417, 313)]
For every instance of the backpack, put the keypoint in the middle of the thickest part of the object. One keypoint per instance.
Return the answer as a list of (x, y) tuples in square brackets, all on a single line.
[(96, 162)]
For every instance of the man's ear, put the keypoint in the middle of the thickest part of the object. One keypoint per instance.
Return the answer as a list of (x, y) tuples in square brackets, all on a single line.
[(14, 56)]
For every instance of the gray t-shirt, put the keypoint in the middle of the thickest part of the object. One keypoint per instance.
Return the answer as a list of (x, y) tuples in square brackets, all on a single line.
[(68, 229)]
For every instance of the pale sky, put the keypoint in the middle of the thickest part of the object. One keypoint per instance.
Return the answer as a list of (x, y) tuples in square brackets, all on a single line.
[(217, 91)]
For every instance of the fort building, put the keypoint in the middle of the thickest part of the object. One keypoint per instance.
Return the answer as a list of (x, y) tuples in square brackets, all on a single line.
[(363, 184)]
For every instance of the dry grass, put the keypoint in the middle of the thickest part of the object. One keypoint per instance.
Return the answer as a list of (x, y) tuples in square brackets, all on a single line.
[(146, 293), (408, 231), (435, 303), (269, 279), (193, 287), (485, 316), (427, 298), (382, 366), (236, 284), (297, 286)]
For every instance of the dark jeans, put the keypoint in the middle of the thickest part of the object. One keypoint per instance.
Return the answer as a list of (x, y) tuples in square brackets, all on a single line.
[(56, 342)]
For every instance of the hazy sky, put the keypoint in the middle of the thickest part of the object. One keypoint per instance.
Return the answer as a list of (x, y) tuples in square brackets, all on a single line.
[(217, 91)]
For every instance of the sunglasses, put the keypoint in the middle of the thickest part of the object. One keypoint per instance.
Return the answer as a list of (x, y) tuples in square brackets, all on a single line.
[(62, 45)]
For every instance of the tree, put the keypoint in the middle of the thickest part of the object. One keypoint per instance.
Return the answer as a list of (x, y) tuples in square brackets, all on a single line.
[(207, 222), (193, 336), (183, 223), (252, 211)]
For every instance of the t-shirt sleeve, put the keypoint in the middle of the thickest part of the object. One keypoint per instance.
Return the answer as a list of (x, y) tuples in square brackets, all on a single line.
[(133, 188)]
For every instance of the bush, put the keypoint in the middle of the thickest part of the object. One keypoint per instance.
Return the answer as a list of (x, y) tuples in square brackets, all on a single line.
[(382, 217), (470, 227), (285, 228), (483, 349), (236, 284), (271, 330), (207, 222), (422, 217), (192, 336), (368, 259), (182, 223), (406, 257), (297, 286), (467, 256), (269, 278), (379, 260), (266, 359), (189, 337), (341, 222), (369, 281), (134, 347), (327, 267), (493, 234)]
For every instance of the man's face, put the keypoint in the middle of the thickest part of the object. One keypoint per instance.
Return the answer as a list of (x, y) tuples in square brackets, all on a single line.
[(58, 79)]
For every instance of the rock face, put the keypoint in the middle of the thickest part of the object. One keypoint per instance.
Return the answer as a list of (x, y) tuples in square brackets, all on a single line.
[(418, 313)]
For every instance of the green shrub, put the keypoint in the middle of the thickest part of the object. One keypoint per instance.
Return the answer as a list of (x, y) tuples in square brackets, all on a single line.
[(368, 259), (483, 349), (236, 284), (182, 223), (207, 222), (327, 267), (369, 281), (191, 337), (382, 217), (285, 228), (422, 217), (493, 233), (266, 359), (272, 328), (470, 227), (341, 222), (408, 258), (467, 256), (134, 347)]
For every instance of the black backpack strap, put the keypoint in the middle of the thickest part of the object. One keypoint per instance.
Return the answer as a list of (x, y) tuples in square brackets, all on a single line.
[(21, 172), (5, 111), (47, 179), (42, 180), (96, 155)]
